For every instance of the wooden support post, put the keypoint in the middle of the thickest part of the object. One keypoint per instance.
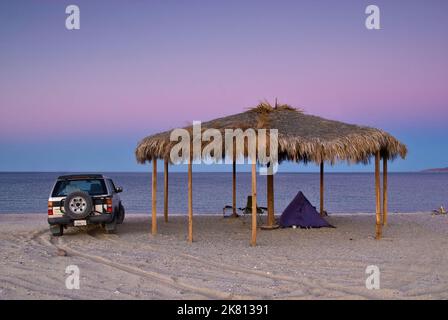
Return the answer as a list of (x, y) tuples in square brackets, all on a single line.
[(384, 191), (253, 241), (154, 197), (190, 201), (270, 190), (165, 191), (377, 196), (234, 188), (322, 188)]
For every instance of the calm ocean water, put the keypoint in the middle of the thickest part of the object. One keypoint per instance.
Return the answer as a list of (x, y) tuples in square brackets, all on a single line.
[(345, 192)]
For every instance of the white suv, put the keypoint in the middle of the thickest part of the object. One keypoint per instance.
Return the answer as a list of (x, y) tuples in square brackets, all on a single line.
[(82, 199)]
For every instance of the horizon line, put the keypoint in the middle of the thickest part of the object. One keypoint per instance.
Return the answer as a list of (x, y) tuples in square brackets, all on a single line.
[(242, 171)]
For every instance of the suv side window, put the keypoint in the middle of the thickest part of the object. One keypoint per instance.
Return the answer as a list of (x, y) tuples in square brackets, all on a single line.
[(111, 186)]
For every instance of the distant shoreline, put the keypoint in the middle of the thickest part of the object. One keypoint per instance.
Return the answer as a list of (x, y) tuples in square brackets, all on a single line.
[(435, 170)]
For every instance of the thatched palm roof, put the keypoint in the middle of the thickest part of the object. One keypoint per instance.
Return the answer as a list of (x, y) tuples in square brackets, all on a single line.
[(301, 137)]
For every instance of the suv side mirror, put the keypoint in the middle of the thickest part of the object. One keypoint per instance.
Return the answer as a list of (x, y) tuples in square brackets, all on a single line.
[(119, 189)]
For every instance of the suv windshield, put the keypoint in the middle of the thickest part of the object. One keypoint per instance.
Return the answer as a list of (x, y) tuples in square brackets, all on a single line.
[(93, 187)]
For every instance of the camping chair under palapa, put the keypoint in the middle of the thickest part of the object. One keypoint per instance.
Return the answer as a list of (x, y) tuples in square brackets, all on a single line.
[(247, 210)]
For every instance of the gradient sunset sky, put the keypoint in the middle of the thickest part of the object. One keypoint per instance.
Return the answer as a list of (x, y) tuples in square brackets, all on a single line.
[(81, 100)]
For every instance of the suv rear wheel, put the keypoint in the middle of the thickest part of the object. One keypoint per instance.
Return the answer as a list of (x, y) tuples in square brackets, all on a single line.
[(57, 230), (111, 226)]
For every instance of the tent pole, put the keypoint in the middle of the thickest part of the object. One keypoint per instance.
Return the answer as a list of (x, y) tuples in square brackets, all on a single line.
[(377, 194), (385, 191), (190, 201), (165, 191), (154, 197), (253, 241), (322, 188)]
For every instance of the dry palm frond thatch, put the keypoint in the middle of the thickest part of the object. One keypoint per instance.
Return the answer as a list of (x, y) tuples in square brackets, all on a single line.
[(301, 137)]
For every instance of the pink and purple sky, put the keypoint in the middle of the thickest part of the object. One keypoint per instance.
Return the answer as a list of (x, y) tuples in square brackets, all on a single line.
[(81, 100)]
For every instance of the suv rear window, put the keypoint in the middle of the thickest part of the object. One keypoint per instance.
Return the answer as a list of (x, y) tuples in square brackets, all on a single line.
[(93, 187)]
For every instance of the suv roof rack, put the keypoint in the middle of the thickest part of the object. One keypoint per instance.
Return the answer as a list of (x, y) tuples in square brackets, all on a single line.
[(81, 176)]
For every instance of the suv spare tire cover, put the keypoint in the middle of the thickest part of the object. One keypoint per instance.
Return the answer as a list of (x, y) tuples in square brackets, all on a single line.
[(78, 205)]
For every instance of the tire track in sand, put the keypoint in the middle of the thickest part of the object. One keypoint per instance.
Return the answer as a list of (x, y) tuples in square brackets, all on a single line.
[(308, 286), (42, 237)]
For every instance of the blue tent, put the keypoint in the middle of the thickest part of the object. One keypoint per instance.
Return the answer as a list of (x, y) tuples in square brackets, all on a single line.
[(302, 214)]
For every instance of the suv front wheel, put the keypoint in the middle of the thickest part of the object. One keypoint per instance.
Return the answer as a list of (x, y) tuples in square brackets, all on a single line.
[(120, 216)]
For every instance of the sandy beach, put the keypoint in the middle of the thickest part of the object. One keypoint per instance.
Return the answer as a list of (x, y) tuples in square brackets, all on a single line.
[(220, 264)]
